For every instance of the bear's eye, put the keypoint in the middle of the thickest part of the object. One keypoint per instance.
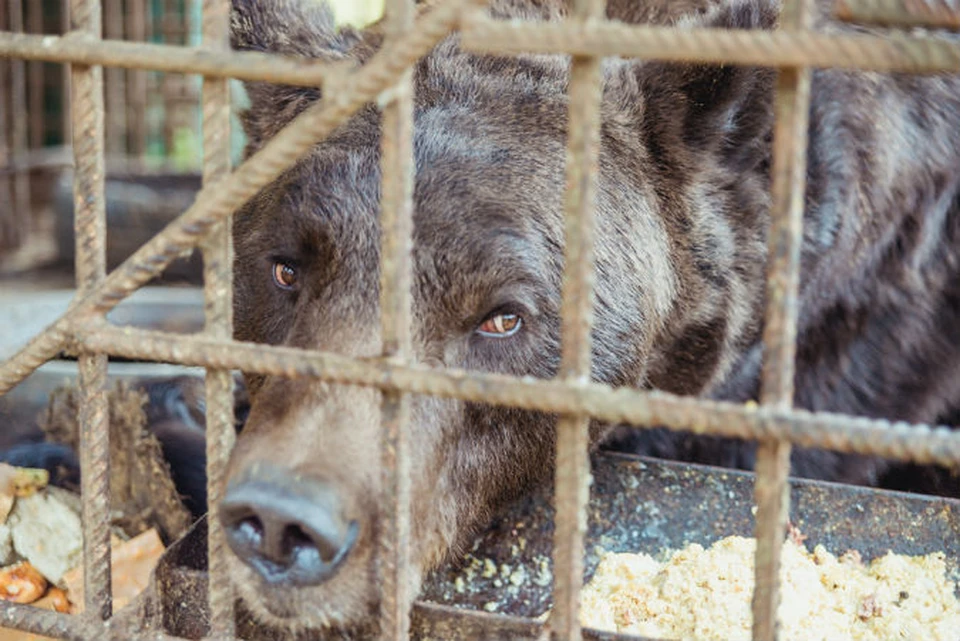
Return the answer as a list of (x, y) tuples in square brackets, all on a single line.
[(500, 325), (285, 275)]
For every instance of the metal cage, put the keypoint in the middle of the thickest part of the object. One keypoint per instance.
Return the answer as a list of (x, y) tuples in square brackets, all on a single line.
[(794, 49)]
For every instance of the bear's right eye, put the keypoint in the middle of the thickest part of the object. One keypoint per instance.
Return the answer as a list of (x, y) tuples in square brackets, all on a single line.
[(285, 275)]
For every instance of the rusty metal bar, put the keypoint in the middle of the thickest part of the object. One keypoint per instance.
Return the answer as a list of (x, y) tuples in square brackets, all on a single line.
[(69, 627), (66, 119), (572, 469), (842, 433), (216, 202), (791, 108), (48, 623), (242, 65), (36, 83), (396, 220), (18, 132), (173, 27), (91, 230), (114, 90), (218, 304), (9, 238), (890, 52), (901, 13), (137, 17)]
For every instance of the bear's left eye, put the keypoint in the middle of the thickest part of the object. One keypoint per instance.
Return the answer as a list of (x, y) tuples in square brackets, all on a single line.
[(500, 325), (285, 275)]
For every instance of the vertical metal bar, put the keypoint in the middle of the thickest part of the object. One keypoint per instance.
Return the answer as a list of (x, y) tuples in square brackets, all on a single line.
[(91, 231), (116, 115), (66, 119), (218, 297), (397, 166), (36, 73), (572, 457), (170, 16), (8, 219), (18, 132), (137, 15), (792, 105)]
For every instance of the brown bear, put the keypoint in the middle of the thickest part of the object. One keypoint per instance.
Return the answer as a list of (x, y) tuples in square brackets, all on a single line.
[(682, 217)]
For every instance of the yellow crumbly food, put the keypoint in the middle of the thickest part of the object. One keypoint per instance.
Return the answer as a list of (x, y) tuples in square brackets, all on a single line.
[(702, 594)]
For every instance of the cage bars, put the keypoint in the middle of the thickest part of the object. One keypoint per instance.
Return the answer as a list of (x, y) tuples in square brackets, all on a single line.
[(387, 78)]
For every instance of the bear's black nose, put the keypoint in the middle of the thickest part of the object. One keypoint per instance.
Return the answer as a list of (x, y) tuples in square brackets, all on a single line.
[(287, 529)]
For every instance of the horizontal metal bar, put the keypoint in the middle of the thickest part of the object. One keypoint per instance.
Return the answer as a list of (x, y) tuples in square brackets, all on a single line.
[(800, 48), (897, 440), (901, 13), (244, 65), (48, 623)]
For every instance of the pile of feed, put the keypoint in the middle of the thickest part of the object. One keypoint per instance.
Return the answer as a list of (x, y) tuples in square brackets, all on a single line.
[(699, 594)]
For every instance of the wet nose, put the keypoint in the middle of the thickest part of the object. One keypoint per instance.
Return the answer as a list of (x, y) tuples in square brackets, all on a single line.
[(287, 529)]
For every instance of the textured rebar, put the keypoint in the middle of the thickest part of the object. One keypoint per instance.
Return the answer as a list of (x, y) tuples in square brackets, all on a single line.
[(243, 65), (173, 29), (396, 219), (137, 21), (18, 132), (9, 236), (572, 469), (216, 202), (218, 305), (91, 230), (114, 83), (35, 71), (48, 623), (889, 52), (65, 117), (842, 433), (772, 492), (903, 13)]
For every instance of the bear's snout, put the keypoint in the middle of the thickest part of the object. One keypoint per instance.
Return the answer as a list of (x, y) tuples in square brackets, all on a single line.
[(289, 529)]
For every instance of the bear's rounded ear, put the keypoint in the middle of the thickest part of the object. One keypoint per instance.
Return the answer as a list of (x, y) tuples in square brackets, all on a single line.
[(712, 108), (300, 28)]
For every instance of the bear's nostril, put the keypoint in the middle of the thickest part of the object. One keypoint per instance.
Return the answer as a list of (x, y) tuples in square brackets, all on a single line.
[(250, 530), (290, 533), (297, 541)]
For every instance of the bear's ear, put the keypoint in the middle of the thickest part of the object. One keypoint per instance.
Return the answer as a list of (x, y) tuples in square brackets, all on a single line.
[(712, 109), (301, 28)]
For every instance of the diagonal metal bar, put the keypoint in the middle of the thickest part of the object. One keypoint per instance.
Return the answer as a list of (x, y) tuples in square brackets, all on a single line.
[(919, 443), (214, 203), (889, 52), (242, 65)]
